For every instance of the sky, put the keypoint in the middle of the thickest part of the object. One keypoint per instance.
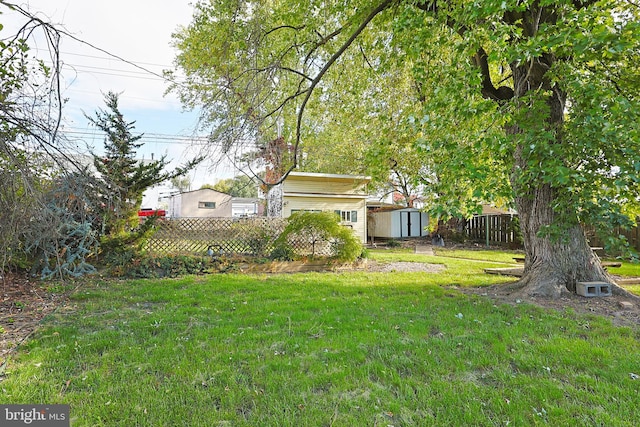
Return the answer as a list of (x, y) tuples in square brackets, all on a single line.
[(138, 31)]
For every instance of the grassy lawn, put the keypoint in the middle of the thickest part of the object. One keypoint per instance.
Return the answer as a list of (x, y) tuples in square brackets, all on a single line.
[(347, 349)]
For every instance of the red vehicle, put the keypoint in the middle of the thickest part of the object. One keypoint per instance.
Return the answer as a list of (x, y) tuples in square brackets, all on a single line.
[(145, 213)]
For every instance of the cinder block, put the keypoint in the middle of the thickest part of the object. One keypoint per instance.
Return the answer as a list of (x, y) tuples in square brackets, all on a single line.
[(587, 289), (593, 289), (604, 290)]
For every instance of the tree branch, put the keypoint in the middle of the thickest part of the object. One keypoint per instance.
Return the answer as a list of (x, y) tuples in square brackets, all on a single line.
[(502, 93), (374, 12)]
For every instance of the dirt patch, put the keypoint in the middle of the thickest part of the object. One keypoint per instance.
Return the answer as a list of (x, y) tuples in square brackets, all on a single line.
[(403, 266), (23, 304), (622, 307)]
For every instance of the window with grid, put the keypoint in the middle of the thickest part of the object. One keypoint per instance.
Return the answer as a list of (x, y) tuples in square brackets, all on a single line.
[(348, 216)]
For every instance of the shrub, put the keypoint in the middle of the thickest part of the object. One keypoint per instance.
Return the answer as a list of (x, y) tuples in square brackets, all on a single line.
[(392, 243), (316, 228), (64, 238), (128, 264), (283, 252), (260, 236)]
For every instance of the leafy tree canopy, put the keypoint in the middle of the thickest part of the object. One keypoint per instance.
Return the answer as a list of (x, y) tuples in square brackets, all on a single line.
[(239, 186)]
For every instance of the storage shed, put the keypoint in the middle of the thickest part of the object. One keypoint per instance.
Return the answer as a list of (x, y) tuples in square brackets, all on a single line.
[(397, 223)]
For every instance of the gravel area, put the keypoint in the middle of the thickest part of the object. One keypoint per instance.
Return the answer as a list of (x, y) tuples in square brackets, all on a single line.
[(403, 266)]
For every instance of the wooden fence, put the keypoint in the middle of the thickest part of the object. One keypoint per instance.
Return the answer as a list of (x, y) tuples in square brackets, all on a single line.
[(494, 229), (227, 236), (632, 236), (505, 230)]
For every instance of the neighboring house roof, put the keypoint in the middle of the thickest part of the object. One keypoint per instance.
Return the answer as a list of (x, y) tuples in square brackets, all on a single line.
[(355, 183), (492, 210), (329, 176), (245, 200), (203, 190)]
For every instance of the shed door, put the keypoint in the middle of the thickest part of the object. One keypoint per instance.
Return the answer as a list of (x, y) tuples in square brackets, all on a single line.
[(405, 224), (411, 224), (416, 224)]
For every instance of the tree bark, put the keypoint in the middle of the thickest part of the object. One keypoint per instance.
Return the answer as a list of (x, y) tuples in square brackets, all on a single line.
[(274, 201), (553, 264)]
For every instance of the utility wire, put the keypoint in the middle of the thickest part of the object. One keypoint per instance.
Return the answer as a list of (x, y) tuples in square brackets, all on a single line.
[(60, 30), (159, 138)]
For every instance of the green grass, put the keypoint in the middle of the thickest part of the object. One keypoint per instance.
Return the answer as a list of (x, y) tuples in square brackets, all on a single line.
[(504, 256), (627, 269), (346, 349)]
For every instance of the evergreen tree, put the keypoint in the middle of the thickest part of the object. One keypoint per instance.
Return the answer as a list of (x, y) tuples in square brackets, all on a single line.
[(125, 177)]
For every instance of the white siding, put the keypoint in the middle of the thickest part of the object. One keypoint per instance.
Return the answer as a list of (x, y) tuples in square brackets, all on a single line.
[(189, 204), (399, 223), (330, 204)]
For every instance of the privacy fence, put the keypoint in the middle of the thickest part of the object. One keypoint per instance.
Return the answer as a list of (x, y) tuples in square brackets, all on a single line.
[(227, 236), (632, 236), (494, 229), (505, 230)]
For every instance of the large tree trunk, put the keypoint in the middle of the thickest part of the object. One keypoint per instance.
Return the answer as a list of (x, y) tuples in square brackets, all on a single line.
[(553, 264)]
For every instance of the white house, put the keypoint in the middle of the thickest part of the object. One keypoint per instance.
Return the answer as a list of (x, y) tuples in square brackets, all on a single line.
[(344, 194), (203, 203), (242, 207)]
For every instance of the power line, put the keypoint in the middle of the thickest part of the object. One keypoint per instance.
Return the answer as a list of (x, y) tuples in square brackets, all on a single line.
[(133, 64), (158, 138), (106, 71), (104, 58), (106, 52), (131, 77), (163, 100)]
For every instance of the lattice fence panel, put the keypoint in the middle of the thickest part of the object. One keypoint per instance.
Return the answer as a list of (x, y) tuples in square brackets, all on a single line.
[(247, 236)]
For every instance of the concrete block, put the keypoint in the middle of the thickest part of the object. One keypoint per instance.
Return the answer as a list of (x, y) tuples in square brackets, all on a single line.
[(587, 289), (593, 289), (604, 290)]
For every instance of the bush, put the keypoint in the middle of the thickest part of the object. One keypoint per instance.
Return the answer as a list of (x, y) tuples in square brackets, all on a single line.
[(128, 264), (283, 252), (316, 228), (64, 238), (393, 243)]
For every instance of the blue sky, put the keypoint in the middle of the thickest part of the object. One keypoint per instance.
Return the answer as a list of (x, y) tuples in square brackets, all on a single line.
[(138, 31)]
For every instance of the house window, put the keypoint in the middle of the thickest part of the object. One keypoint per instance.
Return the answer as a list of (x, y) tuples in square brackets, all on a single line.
[(206, 205), (348, 216)]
